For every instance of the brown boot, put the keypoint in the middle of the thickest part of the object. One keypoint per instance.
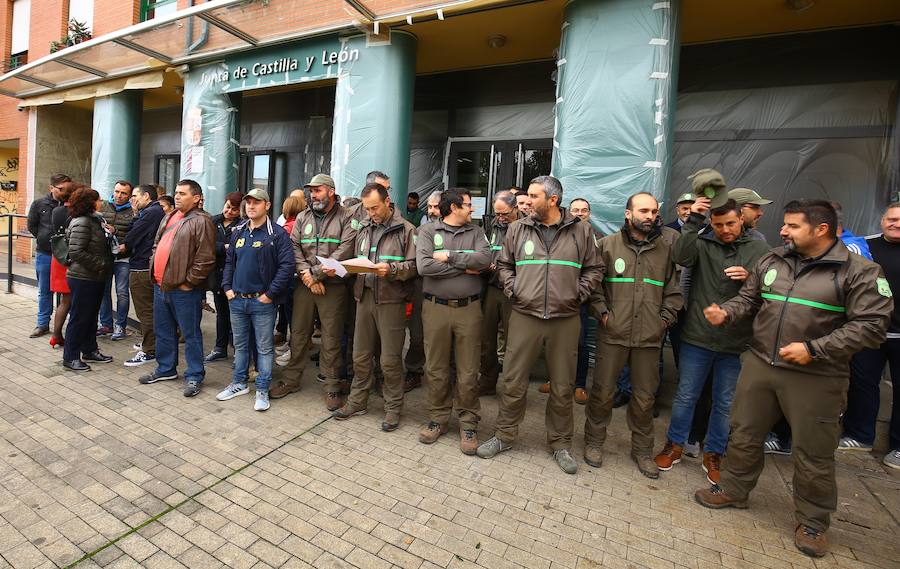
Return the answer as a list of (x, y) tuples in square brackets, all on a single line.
[(346, 412), (645, 464), (810, 541), (332, 400), (593, 456), (669, 456), (431, 432), (468, 441), (391, 421), (716, 498), (712, 463), (280, 388), (581, 396)]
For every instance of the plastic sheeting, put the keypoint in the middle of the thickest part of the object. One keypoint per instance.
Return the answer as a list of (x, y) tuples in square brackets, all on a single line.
[(116, 140), (830, 141), (210, 129), (373, 115), (615, 102)]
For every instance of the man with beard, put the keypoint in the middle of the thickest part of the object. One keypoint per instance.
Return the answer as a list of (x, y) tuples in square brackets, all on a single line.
[(639, 299), (323, 230), (548, 266)]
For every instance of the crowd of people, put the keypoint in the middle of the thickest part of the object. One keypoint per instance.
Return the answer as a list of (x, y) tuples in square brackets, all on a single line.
[(799, 334)]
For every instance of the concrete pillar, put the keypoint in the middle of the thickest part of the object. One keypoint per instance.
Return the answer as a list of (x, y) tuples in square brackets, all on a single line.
[(210, 133), (373, 115), (616, 92), (116, 141)]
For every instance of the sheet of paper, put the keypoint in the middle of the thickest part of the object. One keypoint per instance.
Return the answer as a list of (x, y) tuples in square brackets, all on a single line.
[(332, 264), (359, 265)]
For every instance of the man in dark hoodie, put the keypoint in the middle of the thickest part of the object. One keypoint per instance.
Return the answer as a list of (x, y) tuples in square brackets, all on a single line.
[(118, 213)]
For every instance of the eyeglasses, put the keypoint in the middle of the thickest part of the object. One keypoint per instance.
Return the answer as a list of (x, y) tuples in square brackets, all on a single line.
[(59, 188)]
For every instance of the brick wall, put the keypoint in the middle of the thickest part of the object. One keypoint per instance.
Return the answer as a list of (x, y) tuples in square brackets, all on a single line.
[(112, 15)]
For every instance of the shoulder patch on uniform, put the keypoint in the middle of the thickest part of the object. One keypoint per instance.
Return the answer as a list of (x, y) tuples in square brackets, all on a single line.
[(770, 277), (529, 247), (884, 289), (354, 224), (619, 265), (438, 240)]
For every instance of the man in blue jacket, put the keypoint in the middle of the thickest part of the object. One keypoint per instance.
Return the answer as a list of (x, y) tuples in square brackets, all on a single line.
[(259, 265)]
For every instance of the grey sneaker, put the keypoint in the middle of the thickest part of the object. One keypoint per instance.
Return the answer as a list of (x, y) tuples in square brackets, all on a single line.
[(232, 391), (153, 377), (119, 333), (566, 461), (492, 447), (262, 401), (892, 459), (849, 443), (692, 449), (191, 388)]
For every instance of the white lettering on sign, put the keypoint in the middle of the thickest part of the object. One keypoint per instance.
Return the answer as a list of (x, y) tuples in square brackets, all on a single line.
[(343, 56), (282, 65)]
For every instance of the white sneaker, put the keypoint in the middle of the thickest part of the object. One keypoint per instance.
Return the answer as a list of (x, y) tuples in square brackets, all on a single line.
[(849, 443), (262, 401), (284, 358), (282, 348), (692, 449), (232, 391), (137, 347)]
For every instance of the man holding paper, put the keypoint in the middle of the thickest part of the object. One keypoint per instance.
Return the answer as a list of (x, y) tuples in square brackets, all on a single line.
[(386, 243), (323, 230)]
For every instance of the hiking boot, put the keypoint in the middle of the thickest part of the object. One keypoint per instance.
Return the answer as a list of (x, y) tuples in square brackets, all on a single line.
[(76, 365), (346, 412), (581, 396), (692, 449), (344, 386), (412, 381), (593, 456), (232, 391), (262, 401), (712, 464), (621, 399), (669, 456), (281, 388), (191, 388), (468, 441), (716, 498), (431, 432), (153, 377), (545, 387), (119, 333), (391, 422), (39, 331), (332, 400), (565, 460), (849, 443), (810, 541), (140, 359), (492, 448), (96, 357), (892, 459), (645, 464)]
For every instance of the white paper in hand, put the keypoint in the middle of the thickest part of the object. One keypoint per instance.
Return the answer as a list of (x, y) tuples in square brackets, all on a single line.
[(332, 264)]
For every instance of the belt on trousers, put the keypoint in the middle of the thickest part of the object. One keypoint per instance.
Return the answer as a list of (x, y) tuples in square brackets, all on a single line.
[(250, 294), (452, 302)]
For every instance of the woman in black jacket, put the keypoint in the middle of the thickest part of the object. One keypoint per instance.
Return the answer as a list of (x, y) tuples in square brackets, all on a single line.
[(225, 222), (90, 252)]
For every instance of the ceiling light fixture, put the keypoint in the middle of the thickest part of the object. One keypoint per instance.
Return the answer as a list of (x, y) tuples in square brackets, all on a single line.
[(497, 41)]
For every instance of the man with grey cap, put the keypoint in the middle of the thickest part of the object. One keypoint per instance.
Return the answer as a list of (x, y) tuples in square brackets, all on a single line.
[(682, 211), (323, 230), (751, 209)]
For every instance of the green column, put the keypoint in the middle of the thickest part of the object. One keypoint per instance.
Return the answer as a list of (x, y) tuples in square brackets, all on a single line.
[(615, 109), (209, 135), (116, 141), (373, 115)]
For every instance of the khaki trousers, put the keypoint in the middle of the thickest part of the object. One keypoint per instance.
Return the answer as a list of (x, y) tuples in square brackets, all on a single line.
[(378, 326), (332, 308), (456, 330), (496, 309), (812, 404), (527, 335), (415, 355), (141, 288), (609, 361)]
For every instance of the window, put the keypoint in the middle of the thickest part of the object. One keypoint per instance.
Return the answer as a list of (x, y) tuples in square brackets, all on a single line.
[(155, 8), (82, 11), (168, 170), (21, 21)]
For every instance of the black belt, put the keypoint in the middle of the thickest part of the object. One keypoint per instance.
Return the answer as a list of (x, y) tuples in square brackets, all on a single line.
[(452, 302), (250, 294)]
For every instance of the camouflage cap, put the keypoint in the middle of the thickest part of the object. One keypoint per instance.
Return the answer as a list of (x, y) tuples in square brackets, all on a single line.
[(747, 196), (709, 183), (321, 180)]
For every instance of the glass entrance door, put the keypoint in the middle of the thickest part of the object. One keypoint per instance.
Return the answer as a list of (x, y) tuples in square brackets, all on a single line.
[(257, 170)]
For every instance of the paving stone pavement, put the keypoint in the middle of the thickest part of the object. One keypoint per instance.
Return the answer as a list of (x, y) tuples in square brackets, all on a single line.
[(86, 458)]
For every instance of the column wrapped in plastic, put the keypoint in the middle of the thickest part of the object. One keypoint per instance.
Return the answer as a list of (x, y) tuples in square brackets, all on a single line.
[(616, 88), (209, 128), (116, 141), (373, 115)]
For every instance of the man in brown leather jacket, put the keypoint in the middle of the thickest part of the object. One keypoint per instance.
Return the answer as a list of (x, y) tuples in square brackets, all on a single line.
[(814, 305)]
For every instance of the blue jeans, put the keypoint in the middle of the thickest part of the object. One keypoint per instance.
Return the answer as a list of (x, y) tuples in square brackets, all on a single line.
[(120, 272), (249, 314), (695, 365), (172, 310), (45, 297)]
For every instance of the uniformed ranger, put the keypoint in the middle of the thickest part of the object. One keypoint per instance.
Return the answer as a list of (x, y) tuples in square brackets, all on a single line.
[(450, 255), (638, 300), (323, 230), (548, 266), (387, 240), (815, 305), (495, 306)]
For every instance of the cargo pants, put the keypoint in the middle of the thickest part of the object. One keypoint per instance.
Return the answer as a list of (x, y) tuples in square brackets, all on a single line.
[(496, 309), (332, 308), (415, 355)]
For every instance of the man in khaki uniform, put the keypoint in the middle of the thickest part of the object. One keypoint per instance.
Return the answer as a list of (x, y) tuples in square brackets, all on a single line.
[(637, 302), (495, 306), (387, 240), (450, 255), (548, 266), (323, 230), (815, 305)]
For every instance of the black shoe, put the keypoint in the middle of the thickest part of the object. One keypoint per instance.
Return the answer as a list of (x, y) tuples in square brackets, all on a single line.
[(153, 377), (621, 398), (97, 358), (214, 355), (39, 331), (76, 365)]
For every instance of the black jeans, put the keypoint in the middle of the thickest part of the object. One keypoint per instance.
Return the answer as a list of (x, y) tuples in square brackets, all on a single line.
[(81, 332), (863, 397), (223, 321)]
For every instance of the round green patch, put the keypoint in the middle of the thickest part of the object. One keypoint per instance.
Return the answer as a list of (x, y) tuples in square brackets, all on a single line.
[(619, 265), (529, 247), (438, 240), (354, 224), (770, 277), (308, 229), (709, 192)]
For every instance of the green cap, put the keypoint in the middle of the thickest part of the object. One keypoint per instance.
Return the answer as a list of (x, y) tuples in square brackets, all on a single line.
[(321, 180), (684, 198), (258, 194), (747, 196), (709, 183)]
